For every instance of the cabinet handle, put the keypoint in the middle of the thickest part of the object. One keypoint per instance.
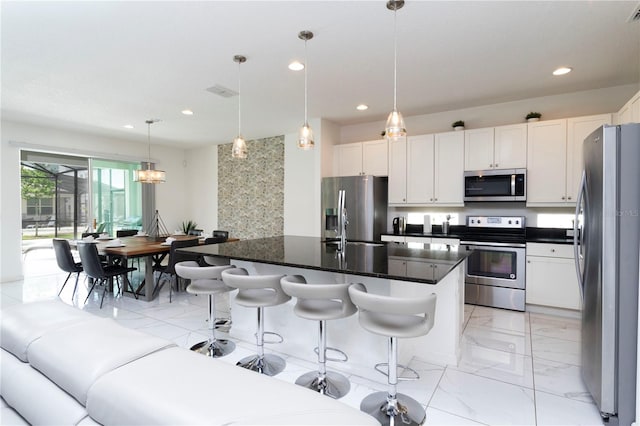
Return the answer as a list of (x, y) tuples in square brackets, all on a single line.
[(404, 199), (568, 198), (563, 197), (435, 199), (491, 166), (528, 261), (496, 165), (430, 199), (553, 250)]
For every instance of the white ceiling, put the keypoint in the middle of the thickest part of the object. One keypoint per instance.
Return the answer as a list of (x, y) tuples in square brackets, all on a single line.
[(96, 66)]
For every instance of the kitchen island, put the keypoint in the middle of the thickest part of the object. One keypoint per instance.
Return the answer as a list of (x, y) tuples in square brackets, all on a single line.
[(388, 269)]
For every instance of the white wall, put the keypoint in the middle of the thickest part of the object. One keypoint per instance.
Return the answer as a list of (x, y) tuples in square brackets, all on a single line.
[(302, 174), (170, 197), (576, 104), (202, 176)]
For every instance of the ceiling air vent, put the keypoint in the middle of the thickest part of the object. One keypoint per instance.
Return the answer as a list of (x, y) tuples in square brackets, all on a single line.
[(635, 15), (222, 91)]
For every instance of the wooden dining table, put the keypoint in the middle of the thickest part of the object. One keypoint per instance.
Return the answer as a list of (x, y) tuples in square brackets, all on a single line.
[(152, 250)]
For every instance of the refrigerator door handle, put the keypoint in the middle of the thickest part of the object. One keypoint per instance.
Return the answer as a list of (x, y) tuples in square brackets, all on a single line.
[(576, 234)]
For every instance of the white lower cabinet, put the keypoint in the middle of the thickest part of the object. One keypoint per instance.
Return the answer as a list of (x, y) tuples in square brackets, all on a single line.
[(551, 276), (414, 268)]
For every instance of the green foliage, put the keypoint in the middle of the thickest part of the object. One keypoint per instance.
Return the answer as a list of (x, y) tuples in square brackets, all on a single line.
[(188, 226), (458, 123), (533, 115), (36, 184)]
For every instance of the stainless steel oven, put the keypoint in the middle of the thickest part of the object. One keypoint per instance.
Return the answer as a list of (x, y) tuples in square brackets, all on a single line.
[(495, 272)]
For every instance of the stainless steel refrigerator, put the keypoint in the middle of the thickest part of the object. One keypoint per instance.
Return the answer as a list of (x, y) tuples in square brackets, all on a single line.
[(607, 258), (365, 203)]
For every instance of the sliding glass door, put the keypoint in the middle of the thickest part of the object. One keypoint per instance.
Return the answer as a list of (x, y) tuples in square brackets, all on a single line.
[(117, 199)]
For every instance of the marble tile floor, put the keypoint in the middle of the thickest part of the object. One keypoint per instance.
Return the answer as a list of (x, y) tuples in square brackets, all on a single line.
[(516, 368)]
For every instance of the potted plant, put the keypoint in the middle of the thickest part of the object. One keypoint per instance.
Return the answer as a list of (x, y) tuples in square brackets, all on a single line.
[(188, 226), (458, 125), (533, 116)]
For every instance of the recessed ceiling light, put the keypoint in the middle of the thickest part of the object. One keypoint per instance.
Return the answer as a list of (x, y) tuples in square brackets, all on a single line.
[(128, 126), (296, 66), (362, 107), (187, 112), (562, 71)]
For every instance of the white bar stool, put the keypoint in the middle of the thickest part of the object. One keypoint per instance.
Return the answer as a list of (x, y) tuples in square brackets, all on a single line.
[(258, 291), (321, 302), (207, 280), (393, 317)]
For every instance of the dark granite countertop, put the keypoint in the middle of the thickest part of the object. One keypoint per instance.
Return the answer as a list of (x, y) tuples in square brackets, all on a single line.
[(533, 234), (313, 253)]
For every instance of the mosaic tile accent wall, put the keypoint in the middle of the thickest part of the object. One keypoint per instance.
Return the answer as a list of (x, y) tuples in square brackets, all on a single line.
[(251, 190)]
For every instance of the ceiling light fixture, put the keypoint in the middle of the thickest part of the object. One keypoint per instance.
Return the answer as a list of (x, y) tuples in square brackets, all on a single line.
[(149, 175), (362, 107), (395, 127), (239, 148), (305, 137), (296, 66), (187, 112), (562, 71)]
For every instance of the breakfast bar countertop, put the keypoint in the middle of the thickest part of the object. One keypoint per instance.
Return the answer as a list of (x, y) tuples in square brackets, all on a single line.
[(365, 259)]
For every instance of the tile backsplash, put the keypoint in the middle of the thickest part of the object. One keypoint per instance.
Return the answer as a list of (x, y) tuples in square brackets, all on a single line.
[(251, 190)]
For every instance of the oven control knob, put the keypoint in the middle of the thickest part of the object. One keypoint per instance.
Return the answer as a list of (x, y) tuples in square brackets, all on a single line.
[(509, 222), (512, 276)]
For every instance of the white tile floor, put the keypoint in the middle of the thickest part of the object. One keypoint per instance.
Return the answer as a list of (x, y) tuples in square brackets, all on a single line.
[(516, 368)]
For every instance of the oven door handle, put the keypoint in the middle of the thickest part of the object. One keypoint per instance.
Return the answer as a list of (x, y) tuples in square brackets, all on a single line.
[(485, 244)]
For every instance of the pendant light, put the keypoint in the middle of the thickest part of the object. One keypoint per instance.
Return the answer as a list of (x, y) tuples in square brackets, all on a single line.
[(239, 148), (305, 137), (149, 175), (395, 128)]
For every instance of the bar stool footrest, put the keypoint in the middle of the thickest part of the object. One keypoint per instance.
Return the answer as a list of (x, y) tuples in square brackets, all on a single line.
[(279, 339), (343, 358), (385, 371)]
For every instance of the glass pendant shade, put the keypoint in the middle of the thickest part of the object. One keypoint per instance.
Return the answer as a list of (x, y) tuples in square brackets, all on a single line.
[(395, 128), (305, 137), (149, 175), (239, 148)]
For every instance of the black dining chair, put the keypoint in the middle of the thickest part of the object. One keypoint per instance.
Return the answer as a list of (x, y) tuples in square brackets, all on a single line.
[(175, 257), (101, 274), (66, 262)]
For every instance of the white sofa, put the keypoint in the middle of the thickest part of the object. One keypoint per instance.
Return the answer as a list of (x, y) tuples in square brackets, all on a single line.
[(60, 365)]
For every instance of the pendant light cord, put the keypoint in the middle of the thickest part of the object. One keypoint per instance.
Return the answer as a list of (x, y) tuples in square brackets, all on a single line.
[(149, 144), (395, 59), (239, 102), (306, 64)]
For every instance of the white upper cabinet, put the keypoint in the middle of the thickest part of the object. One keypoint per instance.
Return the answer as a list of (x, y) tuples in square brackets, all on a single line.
[(398, 171), (630, 112), (510, 147), (577, 131), (420, 173), (503, 147), (547, 162), (478, 149), (361, 158), (427, 170), (554, 158), (449, 169)]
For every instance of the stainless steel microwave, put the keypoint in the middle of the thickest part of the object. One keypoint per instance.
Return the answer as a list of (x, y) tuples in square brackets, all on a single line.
[(496, 185)]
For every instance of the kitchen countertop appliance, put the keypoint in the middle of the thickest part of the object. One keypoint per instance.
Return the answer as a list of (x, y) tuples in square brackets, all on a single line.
[(495, 273), (363, 204), (607, 260)]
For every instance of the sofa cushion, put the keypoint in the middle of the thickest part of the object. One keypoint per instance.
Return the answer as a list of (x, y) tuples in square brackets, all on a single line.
[(77, 355), (20, 325), (9, 416), (38, 400), (176, 386)]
